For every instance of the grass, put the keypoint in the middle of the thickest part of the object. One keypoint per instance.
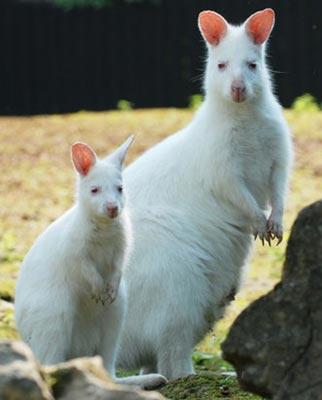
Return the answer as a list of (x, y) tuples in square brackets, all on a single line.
[(36, 186), (7, 325)]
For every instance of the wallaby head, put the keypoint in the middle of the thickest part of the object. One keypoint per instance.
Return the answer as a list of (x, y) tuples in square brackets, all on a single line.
[(236, 67), (99, 187)]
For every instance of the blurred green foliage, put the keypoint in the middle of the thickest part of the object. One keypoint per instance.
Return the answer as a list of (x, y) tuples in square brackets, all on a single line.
[(69, 4), (306, 102), (124, 105), (195, 101)]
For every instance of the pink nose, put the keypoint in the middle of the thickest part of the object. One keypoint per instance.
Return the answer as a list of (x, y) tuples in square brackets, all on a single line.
[(112, 211), (238, 91)]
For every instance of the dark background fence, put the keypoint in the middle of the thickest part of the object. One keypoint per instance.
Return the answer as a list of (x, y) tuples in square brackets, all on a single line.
[(55, 61)]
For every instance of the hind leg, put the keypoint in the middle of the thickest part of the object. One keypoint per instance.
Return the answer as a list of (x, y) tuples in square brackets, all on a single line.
[(175, 362), (175, 350), (51, 348), (112, 324), (111, 331), (48, 335)]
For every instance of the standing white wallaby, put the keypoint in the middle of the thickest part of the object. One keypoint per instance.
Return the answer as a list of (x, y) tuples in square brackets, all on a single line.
[(70, 296), (211, 187)]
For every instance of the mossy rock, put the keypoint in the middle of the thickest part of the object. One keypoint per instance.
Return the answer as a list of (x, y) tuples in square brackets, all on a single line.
[(205, 386)]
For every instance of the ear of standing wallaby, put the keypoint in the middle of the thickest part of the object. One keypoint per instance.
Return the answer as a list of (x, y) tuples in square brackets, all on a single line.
[(83, 157), (213, 27), (259, 25), (118, 156)]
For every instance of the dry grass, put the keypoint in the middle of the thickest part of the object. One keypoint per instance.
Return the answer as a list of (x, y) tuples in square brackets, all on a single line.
[(36, 185)]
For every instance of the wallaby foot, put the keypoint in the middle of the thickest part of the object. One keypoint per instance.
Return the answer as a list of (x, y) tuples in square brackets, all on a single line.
[(175, 363), (146, 382)]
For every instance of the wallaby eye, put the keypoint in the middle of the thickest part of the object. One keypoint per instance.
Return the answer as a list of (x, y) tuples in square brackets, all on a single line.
[(95, 190), (222, 66), (120, 188), (252, 65)]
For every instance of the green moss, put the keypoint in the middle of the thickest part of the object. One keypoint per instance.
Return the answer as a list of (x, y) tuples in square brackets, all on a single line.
[(206, 386), (50, 378), (58, 379)]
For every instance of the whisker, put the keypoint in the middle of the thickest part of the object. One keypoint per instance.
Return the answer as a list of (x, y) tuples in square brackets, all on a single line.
[(278, 72), (198, 77)]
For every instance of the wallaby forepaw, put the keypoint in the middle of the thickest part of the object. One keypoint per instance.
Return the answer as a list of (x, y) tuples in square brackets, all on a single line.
[(269, 230), (105, 296), (110, 293), (95, 297), (275, 229), (261, 230)]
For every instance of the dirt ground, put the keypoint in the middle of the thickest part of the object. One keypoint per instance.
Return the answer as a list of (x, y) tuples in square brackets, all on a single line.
[(36, 186)]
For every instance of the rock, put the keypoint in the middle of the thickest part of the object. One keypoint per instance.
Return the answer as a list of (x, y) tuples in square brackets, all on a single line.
[(20, 376), (85, 378), (276, 343)]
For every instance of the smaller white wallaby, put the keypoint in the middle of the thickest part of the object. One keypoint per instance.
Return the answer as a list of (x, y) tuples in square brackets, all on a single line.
[(70, 296)]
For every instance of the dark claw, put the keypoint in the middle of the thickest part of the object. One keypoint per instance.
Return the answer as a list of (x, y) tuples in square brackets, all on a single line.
[(255, 236), (279, 240), (263, 241)]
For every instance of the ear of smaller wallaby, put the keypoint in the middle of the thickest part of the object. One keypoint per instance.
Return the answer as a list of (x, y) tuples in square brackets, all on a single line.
[(83, 157), (118, 156), (213, 27), (259, 25)]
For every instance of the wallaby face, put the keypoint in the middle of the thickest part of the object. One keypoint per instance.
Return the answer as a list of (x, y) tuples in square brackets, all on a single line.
[(236, 64), (99, 187)]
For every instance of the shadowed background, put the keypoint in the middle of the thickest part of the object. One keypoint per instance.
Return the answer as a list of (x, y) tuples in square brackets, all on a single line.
[(149, 52)]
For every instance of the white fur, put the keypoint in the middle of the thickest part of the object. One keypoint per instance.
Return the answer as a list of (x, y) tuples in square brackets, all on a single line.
[(197, 198), (70, 298)]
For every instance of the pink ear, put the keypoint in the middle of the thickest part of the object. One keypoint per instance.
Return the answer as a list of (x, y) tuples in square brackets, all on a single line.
[(213, 26), (260, 25), (83, 157)]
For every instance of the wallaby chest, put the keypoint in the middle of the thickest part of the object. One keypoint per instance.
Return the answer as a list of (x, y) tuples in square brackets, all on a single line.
[(104, 248), (244, 151), (250, 148)]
